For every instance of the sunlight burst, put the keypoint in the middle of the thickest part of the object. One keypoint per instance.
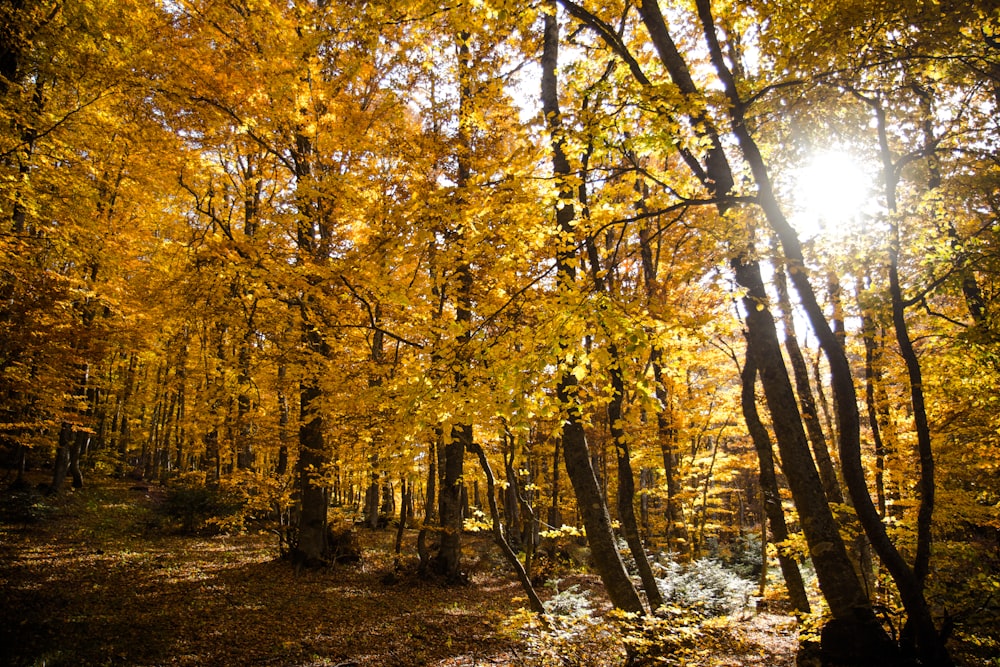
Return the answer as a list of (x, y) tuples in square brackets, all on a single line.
[(830, 192)]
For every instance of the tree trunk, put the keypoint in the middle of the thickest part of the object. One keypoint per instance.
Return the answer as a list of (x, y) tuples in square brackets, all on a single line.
[(244, 428), (311, 548), (430, 508), (872, 381), (555, 518), (512, 492), (122, 410), (810, 416), (534, 601), (666, 431), (919, 632), (451, 494), (404, 516), (590, 500), (841, 587), (626, 492), (371, 503), (77, 447), (771, 497), (62, 460), (449, 555), (284, 417)]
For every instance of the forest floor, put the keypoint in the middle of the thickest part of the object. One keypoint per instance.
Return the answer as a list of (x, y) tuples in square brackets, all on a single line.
[(90, 578)]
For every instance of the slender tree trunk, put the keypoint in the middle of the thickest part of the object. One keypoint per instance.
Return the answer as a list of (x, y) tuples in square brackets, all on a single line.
[(430, 508), (616, 426), (703, 513), (244, 445), (78, 446), (810, 416), (284, 416), (626, 490), (770, 496), (122, 410), (666, 430), (511, 500), (646, 480), (824, 404), (555, 517), (872, 379), (590, 500), (534, 601), (180, 433), (404, 516)]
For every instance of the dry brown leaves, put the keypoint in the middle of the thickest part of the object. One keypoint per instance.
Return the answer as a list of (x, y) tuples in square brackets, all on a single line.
[(94, 583), (91, 585)]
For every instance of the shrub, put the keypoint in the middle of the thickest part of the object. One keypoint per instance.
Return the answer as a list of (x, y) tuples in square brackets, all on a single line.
[(691, 626), (745, 557), (706, 585), (199, 507), (575, 635), (23, 506)]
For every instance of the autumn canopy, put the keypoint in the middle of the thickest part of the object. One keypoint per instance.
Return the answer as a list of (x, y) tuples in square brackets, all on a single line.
[(672, 276)]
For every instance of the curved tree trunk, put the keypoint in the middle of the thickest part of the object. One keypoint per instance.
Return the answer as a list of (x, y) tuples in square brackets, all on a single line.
[(498, 535), (919, 632)]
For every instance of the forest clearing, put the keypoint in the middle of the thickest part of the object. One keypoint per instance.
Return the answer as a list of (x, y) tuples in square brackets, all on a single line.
[(100, 578), (562, 332)]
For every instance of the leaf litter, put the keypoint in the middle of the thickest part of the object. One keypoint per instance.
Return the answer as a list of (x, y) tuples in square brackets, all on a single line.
[(98, 583)]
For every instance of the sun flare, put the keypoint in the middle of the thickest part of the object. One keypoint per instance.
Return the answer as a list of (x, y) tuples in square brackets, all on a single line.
[(830, 192)]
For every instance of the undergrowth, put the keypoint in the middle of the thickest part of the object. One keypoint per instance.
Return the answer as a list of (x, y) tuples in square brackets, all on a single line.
[(704, 599)]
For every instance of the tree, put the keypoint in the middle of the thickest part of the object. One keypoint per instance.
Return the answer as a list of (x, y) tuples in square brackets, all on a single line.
[(844, 592), (769, 486), (574, 443)]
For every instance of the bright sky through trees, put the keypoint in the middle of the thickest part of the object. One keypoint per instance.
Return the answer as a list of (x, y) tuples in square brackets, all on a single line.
[(830, 191)]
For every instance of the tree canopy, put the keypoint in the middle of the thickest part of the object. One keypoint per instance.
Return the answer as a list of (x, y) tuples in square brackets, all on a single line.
[(548, 266)]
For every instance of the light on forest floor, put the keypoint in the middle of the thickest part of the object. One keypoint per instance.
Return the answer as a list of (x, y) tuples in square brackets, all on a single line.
[(830, 192)]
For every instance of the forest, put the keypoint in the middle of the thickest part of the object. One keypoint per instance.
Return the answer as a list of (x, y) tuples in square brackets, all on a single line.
[(670, 315)]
